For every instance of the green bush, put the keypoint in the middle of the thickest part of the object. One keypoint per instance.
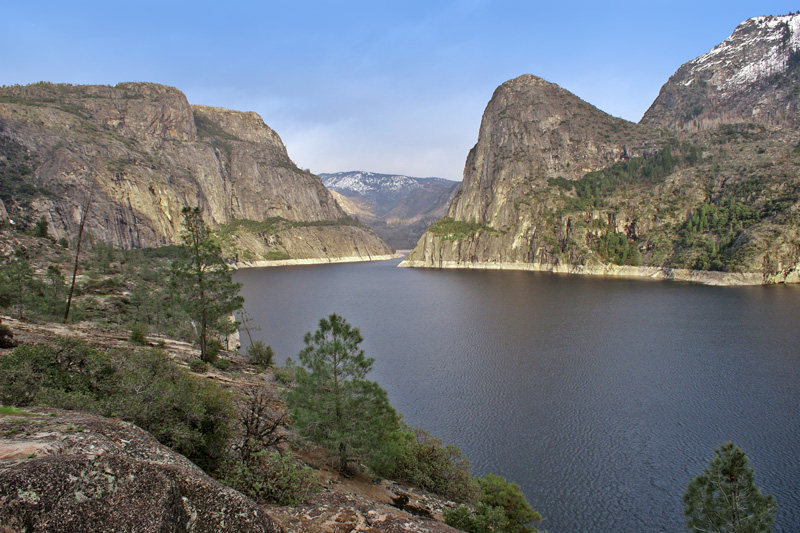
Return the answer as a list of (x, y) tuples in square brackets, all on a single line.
[(260, 354), (502, 507), (193, 416), (271, 478), (284, 375), (222, 364), (68, 370), (213, 348), (424, 461), (6, 337), (139, 333), (40, 229), (198, 365), (483, 518)]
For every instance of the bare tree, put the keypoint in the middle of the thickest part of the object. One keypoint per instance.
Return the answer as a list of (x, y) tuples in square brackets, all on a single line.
[(263, 421), (84, 216)]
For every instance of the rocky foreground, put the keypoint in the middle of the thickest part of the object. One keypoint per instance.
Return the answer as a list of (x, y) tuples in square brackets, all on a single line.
[(70, 471), (67, 471)]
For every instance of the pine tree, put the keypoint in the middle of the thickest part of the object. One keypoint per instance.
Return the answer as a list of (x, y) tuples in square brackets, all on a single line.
[(16, 282), (333, 403), (203, 283), (724, 497)]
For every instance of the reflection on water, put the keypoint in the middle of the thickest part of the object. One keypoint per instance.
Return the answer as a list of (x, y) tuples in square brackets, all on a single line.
[(601, 398)]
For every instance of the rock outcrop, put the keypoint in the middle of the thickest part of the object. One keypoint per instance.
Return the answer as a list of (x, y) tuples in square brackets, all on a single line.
[(142, 153), (556, 184), (65, 471)]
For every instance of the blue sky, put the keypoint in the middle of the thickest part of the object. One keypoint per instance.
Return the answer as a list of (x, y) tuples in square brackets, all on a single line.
[(377, 85)]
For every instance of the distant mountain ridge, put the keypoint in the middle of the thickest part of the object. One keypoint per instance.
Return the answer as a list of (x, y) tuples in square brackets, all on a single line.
[(384, 190), (705, 188), (399, 208)]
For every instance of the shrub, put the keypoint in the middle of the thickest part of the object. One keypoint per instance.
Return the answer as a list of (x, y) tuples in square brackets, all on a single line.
[(213, 347), (6, 337), (190, 415), (193, 416), (40, 229), (424, 461), (139, 333), (222, 364), (502, 507), (263, 424), (284, 375), (71, 371), (260, 354), (198, 365), (271, 478)]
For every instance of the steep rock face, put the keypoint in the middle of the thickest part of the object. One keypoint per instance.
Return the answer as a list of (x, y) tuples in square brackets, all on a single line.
[(752, 76), (533, 130), (555, 184), (143, 152), (65, 471)]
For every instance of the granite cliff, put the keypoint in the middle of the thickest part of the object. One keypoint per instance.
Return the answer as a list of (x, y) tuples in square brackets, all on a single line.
[(555, 184), (143, 153)]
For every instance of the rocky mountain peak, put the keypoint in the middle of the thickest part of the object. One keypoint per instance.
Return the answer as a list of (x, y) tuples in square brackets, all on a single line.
[(533, 130), (754, 76)]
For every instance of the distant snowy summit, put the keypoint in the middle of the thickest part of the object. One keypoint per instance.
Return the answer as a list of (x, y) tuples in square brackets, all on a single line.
[(367, 183), (752, 75), (399, 208)]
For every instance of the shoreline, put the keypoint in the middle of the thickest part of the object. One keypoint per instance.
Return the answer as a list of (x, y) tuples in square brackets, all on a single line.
[(314, 261), (727, 279)]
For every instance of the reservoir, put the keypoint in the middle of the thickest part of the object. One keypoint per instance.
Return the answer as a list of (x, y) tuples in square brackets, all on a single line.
[(602, 398)]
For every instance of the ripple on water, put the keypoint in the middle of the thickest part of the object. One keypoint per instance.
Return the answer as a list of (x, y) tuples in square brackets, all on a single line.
[(601, 398)]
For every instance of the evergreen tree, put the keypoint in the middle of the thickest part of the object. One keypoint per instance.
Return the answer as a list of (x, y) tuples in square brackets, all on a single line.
[(40, 229), (55, 291), (333, 403), (724, 497), (16, 283), (203, 284)]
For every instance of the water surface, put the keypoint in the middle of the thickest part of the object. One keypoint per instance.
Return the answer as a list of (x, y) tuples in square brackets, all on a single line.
[(602, 398)]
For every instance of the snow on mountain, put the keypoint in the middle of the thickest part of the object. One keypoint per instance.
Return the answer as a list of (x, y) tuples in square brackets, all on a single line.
[(399, 208), (752, 76), (364, 183), (758, 48)]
